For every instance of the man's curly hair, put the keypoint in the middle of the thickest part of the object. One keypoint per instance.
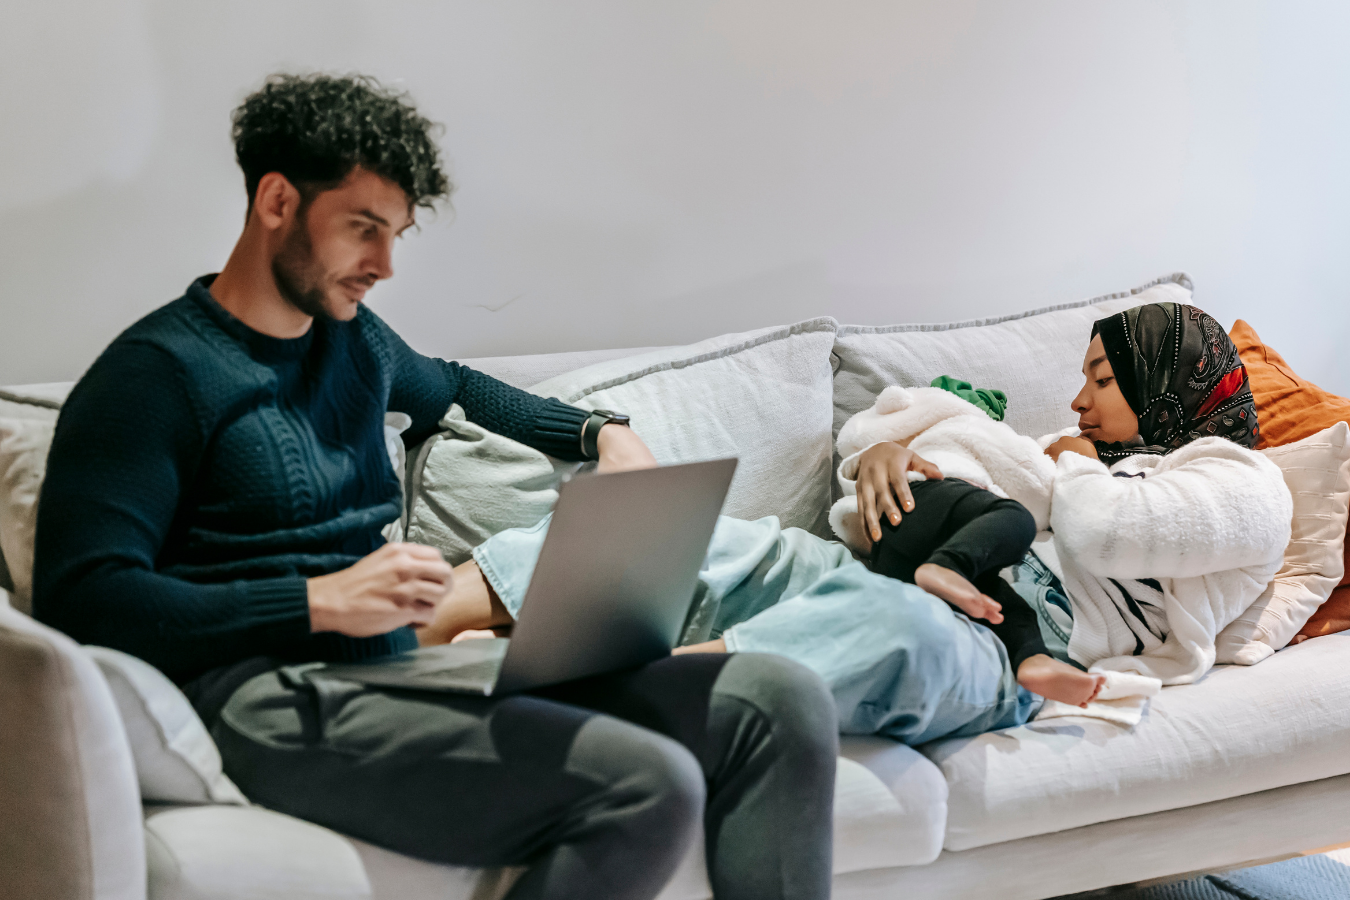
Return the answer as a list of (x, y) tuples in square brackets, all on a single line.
[(314, 129)]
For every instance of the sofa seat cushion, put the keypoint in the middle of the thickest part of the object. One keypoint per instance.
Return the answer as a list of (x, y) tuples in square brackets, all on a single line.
[(1237, 731), (890, 805)]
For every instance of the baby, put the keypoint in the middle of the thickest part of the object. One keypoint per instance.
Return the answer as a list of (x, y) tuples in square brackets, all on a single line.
[(965, 527)]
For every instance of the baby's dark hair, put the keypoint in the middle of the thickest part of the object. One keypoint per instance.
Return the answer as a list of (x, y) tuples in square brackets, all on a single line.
[(314, 129)]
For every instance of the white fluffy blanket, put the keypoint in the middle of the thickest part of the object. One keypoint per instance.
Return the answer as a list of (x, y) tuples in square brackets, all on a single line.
[(956, 436), (1157, 554)]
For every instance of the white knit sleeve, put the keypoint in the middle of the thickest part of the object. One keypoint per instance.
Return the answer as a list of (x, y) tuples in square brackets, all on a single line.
[(1208, 507)]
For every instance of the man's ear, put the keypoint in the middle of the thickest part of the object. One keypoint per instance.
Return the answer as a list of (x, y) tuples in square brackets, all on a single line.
[(276, 201)]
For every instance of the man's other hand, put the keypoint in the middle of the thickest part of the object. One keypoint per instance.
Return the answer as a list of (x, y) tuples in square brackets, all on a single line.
[(621, 450), (397, 585)]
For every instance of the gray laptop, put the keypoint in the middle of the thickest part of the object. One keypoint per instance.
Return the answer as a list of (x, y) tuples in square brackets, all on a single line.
[(611, 590)]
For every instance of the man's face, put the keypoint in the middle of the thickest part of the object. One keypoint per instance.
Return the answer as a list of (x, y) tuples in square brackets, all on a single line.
[(340, 244)]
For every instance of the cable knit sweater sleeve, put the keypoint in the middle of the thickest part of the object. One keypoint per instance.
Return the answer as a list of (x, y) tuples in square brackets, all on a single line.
[(424, 387), (1209, 507)]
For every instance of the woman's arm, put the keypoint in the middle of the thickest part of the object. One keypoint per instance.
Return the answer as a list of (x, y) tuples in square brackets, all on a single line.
[(1209, 507)]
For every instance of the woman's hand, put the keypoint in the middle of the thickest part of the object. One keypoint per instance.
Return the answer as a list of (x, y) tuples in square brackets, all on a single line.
[(1081, 446), (883, 485)]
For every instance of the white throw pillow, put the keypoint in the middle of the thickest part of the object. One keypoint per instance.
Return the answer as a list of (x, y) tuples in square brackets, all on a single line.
[(1035, 358), (176, 760), (467, 483), (1317, 472), (24, 443), (764, 396)]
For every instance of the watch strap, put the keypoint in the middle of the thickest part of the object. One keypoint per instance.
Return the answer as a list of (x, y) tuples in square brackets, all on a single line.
[(590, 430)]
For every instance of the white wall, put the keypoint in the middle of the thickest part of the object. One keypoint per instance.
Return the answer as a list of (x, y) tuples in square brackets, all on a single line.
[(635, 174)]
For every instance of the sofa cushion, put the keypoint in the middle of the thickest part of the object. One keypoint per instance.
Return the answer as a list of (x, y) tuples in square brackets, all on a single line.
[(764, 396), (219, 852), (176, 760), (70, 813), (26, 431), (532, 368), (890, 805), (901, 825), (1035, 357), (1317, 473), (1331, 617), (1237, 731), (1289, 407), (467, 483)]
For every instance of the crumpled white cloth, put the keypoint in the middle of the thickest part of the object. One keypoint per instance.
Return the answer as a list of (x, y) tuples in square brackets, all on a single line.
[(1122, 699)]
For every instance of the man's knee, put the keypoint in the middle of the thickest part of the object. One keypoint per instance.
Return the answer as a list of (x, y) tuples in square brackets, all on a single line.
[(655, 781), (788, 695)]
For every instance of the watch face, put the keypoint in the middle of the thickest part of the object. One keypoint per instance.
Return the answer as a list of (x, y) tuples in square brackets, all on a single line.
[(616, 418)]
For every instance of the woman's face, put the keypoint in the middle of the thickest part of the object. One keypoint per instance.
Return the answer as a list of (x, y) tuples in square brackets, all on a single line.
[(1103, 413)]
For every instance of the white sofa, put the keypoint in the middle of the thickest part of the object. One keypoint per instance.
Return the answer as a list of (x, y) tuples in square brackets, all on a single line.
[(1249, 764)]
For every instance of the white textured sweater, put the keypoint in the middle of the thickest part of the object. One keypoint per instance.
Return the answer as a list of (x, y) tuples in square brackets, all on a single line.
[(1157, 553)]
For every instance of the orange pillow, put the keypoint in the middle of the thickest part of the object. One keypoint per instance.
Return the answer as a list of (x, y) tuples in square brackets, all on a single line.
[(1331, 617), (1290, 409)]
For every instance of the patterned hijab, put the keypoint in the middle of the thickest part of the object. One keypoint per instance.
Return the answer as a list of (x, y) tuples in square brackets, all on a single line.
[(1182, 377)]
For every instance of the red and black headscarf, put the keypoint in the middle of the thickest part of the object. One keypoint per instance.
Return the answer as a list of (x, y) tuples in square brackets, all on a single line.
[(1181, 375)]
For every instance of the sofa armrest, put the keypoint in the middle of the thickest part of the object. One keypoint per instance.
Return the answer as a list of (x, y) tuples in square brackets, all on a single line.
[(70, 823)]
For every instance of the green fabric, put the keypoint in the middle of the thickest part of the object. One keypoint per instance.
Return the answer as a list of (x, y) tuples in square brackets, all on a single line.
[(991, 401)]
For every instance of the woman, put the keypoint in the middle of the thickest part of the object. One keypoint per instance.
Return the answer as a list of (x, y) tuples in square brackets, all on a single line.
[(1142, 571)]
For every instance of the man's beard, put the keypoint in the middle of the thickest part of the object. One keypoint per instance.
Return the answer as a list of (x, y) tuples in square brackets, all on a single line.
[(293, 270)]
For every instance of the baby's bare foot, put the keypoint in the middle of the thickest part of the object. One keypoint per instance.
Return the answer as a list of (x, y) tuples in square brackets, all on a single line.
[(1055, 680), (955, 589)]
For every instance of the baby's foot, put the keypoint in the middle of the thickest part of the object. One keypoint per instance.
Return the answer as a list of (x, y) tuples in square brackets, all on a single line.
[(1055, 680), (956, 590)]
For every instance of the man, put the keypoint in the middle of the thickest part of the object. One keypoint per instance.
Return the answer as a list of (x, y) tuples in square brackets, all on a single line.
[(213, 504)]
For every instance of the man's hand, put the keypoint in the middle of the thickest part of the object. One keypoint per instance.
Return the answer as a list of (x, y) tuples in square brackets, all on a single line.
[(883, 487), (1081, 446), (621, 450), (397, 585)]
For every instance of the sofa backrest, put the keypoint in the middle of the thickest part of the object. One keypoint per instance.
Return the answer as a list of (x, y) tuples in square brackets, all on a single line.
[(776, 397)]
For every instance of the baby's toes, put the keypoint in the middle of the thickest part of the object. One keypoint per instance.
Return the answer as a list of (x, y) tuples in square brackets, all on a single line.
[(990, 610)]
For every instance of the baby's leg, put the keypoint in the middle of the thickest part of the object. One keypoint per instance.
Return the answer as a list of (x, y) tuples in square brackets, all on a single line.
[(1055, 680), (1036, 670), (956, 589), (956, 533)]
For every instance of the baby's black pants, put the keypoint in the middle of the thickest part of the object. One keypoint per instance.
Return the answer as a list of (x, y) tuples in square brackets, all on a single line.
[(975, 533)]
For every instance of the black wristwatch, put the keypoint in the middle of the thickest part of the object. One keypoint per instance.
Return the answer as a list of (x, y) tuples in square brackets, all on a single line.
[(590, 430)]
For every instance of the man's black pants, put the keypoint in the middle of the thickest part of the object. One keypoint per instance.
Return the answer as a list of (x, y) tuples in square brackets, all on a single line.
[(598, 786)]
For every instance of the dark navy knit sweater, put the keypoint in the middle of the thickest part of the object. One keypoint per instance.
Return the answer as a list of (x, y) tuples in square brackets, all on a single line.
[(201, 471)]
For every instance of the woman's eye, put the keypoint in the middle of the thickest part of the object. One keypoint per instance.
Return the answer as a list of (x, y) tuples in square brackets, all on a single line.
[(1103, 382)]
